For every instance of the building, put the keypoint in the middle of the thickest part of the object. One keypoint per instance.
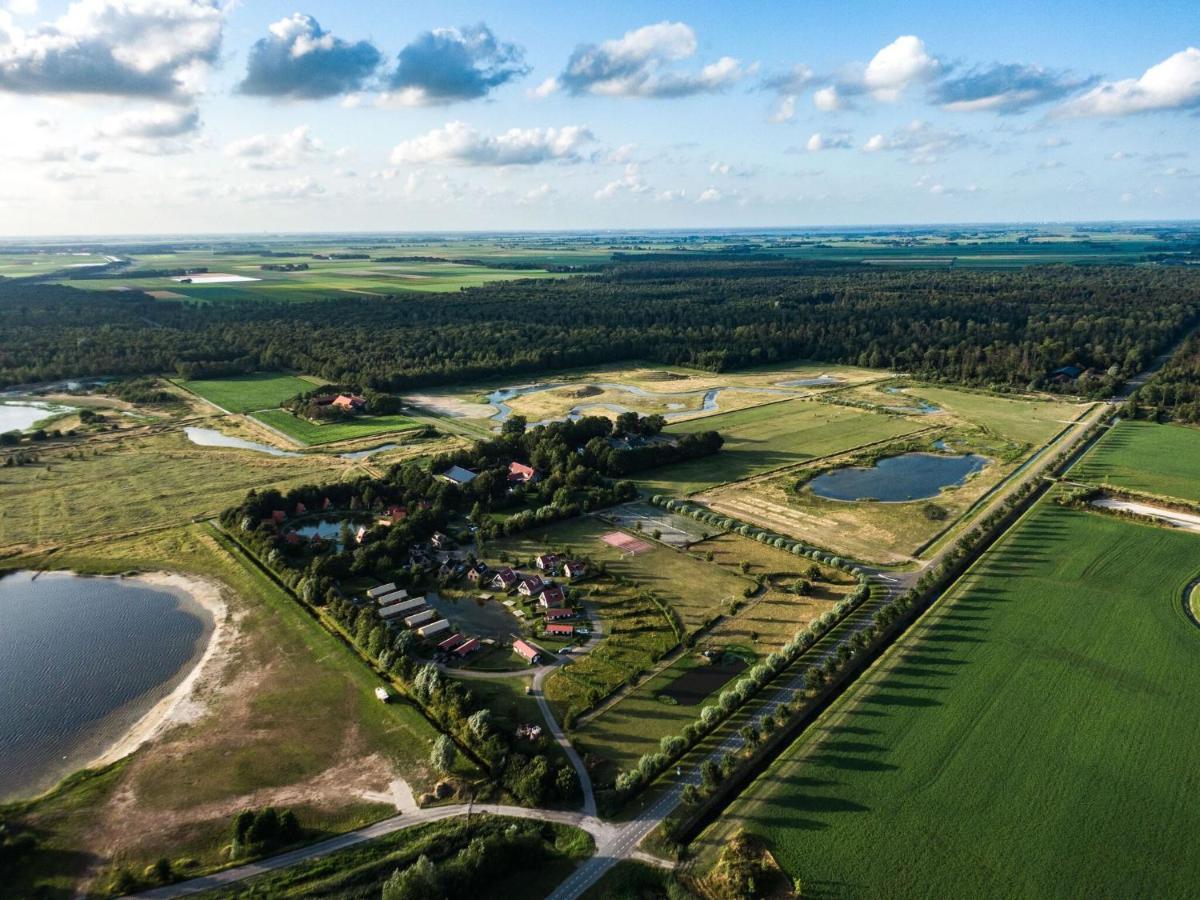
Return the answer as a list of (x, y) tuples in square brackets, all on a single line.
[(560, 628), (459, 475), (467, 647), (392, 597), (559, 613), (531, 585), (505, 579), (478, 572), (349, 402), (380, 589), (553, 596), (451, 642), (546, 561), (419, 619), (393, 515), (531, 653), (428, 631), (404, 608), (519, 473), (441, 541), (574, 569)]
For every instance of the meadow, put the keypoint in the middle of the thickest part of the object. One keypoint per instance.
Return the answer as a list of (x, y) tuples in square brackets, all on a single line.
[(1146, 457), (1024, 420), (767, 437), (247, 393), (312, 434), (1032, 736)]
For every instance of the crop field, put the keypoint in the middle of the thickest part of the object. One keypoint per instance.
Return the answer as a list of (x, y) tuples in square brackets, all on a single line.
[(315, 433), (1035, 731), (1146, 457), (694, 588), (767, 437), (293, 723), (246, 393)]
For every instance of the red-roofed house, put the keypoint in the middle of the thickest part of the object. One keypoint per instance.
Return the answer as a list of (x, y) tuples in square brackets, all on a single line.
[(560, 628), (531, 585), (560, 613), (519, 473), (574, 569), (546, 560), (451, 642), (553, 596), (467, 647), (527, 650), (504, 579), (349, 402)]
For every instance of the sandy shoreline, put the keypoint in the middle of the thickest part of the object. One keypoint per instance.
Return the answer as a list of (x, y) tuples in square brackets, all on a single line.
[(178, 707)]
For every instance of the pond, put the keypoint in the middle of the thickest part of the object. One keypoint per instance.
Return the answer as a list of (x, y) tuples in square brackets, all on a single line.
[(818, 381), (898, 479), (365, 454), (919, 407), (329, 529), (21, 415), (210, 437), (478, 618), (81, 660)]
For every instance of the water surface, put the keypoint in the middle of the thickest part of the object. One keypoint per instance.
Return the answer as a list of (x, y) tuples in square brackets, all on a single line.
[(21, 415), (81, 660), (896, 479), (210, 437)]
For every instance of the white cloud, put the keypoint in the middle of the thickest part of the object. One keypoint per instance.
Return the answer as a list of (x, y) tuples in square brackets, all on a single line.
[(903, 62), (23, 7), (629, 183), (785, 111), (160, 121), (544, 90), (922, 142), (1173, 83), (837, 141), (672, 195), (827, 99), (460, 144), (293, 191), (538, 194), (710, 195), (275, 151)]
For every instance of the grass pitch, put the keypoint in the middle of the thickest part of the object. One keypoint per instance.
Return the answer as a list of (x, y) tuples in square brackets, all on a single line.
[(1146, 457), (1031, 737)]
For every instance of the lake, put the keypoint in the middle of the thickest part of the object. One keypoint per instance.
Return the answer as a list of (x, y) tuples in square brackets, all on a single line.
[(81, 660), (897, 479), (210, 437), (21, 415)]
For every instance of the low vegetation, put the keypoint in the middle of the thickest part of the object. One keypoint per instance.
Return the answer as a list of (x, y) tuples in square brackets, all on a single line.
[(1145, 457)]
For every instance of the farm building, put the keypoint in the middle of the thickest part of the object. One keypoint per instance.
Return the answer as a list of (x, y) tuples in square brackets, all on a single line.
[(559, 614), (561, 628), (467, 647), (349, 402), (433, 628), (527, 650), (402, 608), (419, 619), (451, 642), (552, 597), (380, 589), (519, 473), (531, 585), (392, 596), (459, 475)]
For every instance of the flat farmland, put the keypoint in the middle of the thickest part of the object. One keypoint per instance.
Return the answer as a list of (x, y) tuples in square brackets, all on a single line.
[(767, 437), (246, 393), (1031, 737), (316, 433), (1025, 420), (1146, 457)]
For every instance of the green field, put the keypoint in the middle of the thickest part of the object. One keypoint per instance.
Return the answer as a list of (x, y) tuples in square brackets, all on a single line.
[(314, 433), (246, 393), (1143, 456), (767, 437), (1019, 419), (1032, 737)]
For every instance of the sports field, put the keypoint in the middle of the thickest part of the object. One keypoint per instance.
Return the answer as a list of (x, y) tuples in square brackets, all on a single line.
[(766, 437), (246, 393), (1144, 456), (314, 433), (1033, 737)]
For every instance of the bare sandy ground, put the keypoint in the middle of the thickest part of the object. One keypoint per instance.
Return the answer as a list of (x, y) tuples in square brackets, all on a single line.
[(182, 705), (451, 406)]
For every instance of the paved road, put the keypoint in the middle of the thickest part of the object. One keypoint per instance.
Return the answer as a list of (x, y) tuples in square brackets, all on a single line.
[(602, 832)]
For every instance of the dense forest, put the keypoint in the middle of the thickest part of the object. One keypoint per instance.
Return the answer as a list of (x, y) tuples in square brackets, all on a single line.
[(999, 328), (1174, 392)]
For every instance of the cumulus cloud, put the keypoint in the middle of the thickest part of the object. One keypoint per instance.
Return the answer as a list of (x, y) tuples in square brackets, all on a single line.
[(1006, 88), (827, 99), (710, 195), (459, 144), (819, 142), (449, 65), (298, 60), (903, 62), (629, 183), (275, 151), (1173, 83), (922, 142), (544, 90), (156, 123), (642, 63), (130, 48)]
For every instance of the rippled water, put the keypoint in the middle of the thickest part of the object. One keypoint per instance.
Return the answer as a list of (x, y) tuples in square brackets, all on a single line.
[(910, 476), (81, 660)]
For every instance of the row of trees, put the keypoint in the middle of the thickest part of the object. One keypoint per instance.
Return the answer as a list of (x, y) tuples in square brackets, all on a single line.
[(1010, 328)]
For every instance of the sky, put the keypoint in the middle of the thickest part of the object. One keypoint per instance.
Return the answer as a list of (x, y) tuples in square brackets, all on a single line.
[(197, 116)]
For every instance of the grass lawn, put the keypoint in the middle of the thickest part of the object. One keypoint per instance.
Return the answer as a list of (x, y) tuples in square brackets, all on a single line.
[(137, 482), (1020, 419), (294, 723), (1147, 457), (245, 393), (1031, 737), (312, 433), (767, 437)]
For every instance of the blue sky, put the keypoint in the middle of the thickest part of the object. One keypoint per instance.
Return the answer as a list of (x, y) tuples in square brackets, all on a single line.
[(143, 116)]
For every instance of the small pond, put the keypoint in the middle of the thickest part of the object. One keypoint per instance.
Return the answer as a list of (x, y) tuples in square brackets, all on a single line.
[(365, 454), (919, 407), (81, 660), (329, 529), (478, 618), (897, 479), (21, 415), (818, 381), (210, 437)]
